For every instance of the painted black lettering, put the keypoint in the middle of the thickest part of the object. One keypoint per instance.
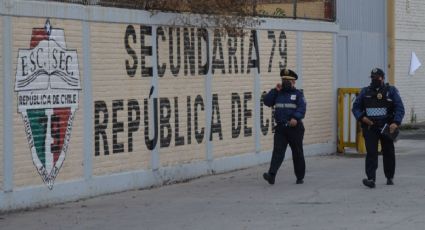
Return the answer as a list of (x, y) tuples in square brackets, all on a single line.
[(145, 50), (199, 135), (133, 122), (67, 63), (117, 126), (62, 55), (24, 66), (236, 129), (283, 50), (150, 144), (232, 53), (175, 69), (218, 63), (203, 68), (253, 44), (242, 52), (247, 96), (272, 37), (33, 58), (161, 69), (100, 127), (189, 121), (164, 120), (216, 126), (179, 140), (131, 69), (264, 127), (55, 64), (39, 56), (189, 51)]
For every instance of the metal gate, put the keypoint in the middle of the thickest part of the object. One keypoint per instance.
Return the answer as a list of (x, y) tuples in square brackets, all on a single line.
[(349, 131)]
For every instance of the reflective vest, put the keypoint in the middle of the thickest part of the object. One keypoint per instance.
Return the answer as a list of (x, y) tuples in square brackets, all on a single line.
[(377, 103)]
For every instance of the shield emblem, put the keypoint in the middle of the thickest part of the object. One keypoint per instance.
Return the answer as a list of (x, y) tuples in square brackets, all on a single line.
[(48, 84)]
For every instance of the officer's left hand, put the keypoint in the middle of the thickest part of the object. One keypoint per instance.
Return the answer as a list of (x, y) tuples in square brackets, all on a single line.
[(393, 127), (293, 122)]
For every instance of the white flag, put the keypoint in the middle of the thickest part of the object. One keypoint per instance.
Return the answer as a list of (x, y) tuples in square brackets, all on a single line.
[(414, 63)]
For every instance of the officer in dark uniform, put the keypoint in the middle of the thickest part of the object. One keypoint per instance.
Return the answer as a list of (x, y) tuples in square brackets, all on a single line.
[(378, 105), (290, 107)]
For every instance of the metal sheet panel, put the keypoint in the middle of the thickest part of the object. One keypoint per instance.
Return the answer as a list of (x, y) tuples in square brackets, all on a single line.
[(362, 39), (362, 15)]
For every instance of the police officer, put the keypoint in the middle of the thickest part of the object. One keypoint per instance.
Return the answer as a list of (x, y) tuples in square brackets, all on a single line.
[(290, 107), (378, 105)]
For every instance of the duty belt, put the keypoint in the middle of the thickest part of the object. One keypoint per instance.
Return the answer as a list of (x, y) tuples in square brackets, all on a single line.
[(286, 123)]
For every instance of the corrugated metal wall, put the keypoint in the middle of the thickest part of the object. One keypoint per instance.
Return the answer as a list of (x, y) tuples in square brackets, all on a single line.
[(361, 41)]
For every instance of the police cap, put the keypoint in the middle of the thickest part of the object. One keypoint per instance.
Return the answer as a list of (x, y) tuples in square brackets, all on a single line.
[(377, 72), (288, 74)]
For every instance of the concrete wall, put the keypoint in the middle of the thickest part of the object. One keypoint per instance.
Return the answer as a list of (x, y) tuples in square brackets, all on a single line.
[(318, 85), (410, 37), (88, 129)]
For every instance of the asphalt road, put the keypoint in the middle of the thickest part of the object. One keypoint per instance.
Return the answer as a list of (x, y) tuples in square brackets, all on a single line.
[(332, 197)]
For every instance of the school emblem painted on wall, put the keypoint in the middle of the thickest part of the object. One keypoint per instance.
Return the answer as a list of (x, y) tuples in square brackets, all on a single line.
[(47, 85)]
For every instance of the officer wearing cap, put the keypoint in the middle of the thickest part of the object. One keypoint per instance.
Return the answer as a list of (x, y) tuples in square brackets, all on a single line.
[(376, 106), (290, 107)]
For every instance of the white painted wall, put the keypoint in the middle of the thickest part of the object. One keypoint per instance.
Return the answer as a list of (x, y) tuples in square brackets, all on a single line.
[(97, 35), (410, 37)]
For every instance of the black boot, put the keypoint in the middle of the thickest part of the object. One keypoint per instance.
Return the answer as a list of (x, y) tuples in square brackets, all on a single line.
[(369, 183), (300, 181), (269, 178), (390, 181)]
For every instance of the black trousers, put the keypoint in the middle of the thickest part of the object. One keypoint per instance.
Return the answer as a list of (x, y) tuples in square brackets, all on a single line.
[(372, 136), (293, 136)]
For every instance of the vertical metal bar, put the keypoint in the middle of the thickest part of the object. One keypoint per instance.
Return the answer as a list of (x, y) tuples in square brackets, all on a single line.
[(349, 117), (340, 147), (87, 103), (7, 105), (335, 88), (295, 9)]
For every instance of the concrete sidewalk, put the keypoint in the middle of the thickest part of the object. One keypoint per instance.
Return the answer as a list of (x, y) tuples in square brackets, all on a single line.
[(332, 197)]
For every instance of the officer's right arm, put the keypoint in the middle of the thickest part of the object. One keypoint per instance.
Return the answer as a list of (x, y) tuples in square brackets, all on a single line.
[(270, 98), (358, 108)]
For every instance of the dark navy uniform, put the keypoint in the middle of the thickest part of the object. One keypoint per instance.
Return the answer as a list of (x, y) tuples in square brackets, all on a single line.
[(382, 105), (288, 104)]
